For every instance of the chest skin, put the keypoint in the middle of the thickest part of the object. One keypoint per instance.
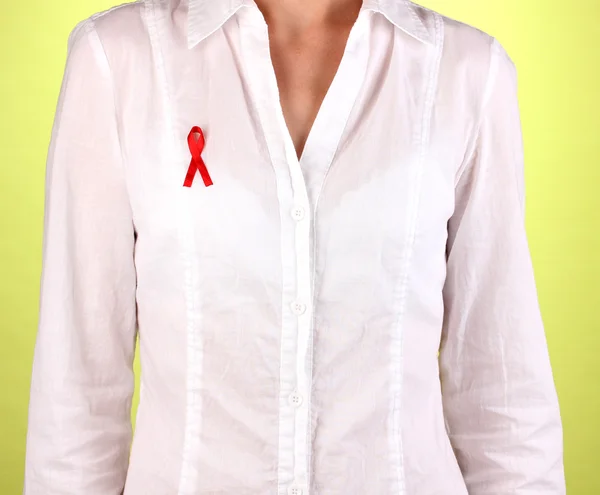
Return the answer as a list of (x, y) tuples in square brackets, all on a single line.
[(305, 64)]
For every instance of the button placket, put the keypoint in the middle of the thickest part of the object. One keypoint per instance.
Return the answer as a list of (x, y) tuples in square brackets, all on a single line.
[(300, 308)]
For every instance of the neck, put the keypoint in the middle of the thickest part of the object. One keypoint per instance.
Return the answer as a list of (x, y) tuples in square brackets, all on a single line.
[(302, 15)]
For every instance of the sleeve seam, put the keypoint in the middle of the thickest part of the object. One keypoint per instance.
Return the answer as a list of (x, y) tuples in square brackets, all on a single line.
[(490, 79), (90, 26)]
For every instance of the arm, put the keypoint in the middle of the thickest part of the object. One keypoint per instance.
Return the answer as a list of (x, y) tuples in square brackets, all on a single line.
[(499, 397), (79, 423)]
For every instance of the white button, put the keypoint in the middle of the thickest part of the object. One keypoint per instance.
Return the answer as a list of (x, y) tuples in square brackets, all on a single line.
[(295, 399), (298, 213), (298, 308), (295, 490)]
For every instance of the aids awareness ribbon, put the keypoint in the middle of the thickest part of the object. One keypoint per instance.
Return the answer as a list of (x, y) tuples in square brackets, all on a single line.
[(196, 163)]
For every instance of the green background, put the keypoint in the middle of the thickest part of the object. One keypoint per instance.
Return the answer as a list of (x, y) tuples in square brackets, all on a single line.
[(555, 48)]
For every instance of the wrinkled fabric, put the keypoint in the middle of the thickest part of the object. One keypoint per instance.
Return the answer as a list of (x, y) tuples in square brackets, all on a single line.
[(361, 321)]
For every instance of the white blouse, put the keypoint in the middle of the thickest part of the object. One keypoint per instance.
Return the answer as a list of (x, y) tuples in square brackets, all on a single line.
[(362, 321)]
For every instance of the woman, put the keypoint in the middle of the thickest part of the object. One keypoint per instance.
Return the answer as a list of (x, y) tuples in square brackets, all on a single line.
[(313, 213)]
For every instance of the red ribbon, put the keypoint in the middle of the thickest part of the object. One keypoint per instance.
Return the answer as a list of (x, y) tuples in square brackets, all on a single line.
[(196, 163)]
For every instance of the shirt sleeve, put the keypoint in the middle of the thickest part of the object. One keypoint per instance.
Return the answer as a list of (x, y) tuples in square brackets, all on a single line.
[(500, 403), (79, 422)]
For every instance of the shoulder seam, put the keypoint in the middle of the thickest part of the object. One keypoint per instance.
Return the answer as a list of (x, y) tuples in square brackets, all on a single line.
[(115, 7), (86, 23)]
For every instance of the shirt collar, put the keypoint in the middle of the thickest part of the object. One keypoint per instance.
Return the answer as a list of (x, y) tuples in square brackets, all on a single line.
[(206, 16)]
